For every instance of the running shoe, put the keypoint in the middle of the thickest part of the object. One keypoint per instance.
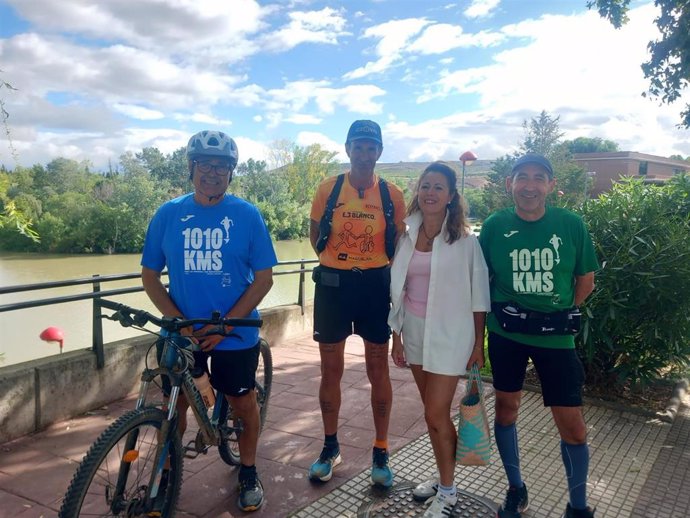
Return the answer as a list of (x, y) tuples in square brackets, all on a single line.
[(515, 503), (322, 468), (381, 473)]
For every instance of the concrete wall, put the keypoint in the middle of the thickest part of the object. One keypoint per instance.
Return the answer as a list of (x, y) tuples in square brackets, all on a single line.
[(37, 393)]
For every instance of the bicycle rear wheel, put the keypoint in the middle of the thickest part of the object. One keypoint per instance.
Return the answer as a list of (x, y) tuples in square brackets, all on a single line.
[(124, 456), (231, 427)]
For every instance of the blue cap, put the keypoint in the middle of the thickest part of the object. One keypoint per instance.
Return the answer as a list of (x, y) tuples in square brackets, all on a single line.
[(533, 158), (364, 129)]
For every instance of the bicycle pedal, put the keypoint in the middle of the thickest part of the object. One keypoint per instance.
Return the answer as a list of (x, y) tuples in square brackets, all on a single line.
[(191, 451)]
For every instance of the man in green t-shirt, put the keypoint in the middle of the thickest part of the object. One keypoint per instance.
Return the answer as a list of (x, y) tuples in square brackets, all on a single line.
[(541, 263)]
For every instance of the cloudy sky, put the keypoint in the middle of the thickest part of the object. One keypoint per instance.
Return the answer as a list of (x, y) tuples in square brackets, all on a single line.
[(96, 79)]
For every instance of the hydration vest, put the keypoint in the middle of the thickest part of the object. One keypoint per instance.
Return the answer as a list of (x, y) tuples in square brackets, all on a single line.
[(326, 222)]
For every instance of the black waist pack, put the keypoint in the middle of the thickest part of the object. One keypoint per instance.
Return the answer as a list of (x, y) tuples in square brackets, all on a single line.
[(514, 319), (335, 278)]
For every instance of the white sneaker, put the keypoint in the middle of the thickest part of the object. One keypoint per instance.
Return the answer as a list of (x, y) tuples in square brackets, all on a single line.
[(441, 506), (425, 490)]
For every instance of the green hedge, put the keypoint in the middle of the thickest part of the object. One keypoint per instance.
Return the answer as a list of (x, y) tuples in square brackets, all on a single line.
[(637, 321)]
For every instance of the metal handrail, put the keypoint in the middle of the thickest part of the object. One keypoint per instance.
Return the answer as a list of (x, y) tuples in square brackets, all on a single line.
[(96, 293)]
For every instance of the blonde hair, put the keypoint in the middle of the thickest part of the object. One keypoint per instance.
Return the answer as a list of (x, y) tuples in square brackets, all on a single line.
[(456, 223)]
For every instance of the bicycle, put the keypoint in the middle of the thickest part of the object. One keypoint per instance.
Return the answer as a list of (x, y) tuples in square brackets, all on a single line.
[(134, 468)]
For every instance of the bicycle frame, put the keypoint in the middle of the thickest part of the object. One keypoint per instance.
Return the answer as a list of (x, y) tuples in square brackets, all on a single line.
[(174, 363)]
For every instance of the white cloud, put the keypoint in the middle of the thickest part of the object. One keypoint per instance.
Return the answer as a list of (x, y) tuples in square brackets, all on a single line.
[(302, 118), (203, 118), (443, 37), (250, 148), (111, 75), (481, 8), (201, 31), (138, 112), (324, 26), (393, 36), (307, 138), (297, 95)]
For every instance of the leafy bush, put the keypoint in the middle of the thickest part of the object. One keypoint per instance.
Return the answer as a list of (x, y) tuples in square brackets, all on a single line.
[(637, 322)]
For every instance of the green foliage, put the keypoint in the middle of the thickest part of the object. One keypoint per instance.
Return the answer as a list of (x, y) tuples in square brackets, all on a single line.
[(15, 216), (77, 211), (477, 208), (668, 68), (268, 190), (542, 134), (637, 323), (172, 169), (309, 166), (494, 194), (590, 145)]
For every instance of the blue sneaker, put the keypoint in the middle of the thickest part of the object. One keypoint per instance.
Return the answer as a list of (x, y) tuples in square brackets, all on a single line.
[(322, 469), (381, 473)]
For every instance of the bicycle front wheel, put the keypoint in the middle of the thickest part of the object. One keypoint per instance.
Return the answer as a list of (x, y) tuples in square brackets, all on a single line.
[(113, 477), (231, 427)]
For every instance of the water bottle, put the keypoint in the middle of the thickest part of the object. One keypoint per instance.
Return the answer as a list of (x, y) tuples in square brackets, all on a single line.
[(203, 384)]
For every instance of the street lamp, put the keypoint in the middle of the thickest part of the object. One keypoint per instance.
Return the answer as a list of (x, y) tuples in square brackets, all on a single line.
[(467, 158)]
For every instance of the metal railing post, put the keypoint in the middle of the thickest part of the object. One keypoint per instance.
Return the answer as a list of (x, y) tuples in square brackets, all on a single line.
[(97, 326), (301, 295)]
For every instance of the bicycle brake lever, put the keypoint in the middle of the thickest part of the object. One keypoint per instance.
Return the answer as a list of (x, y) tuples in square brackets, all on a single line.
[(140, 318)]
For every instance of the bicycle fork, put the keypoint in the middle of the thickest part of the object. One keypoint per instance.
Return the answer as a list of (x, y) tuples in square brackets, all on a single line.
[(131, 453)]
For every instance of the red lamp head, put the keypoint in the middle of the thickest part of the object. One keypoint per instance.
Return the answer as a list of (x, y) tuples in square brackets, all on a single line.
[(53, 334), (468, 156)]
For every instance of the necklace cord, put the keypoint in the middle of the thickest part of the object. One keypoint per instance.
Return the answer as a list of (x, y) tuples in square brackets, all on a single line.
[(430, 240)]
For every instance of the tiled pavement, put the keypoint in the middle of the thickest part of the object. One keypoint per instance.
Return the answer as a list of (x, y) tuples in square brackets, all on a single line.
[(640, 467)]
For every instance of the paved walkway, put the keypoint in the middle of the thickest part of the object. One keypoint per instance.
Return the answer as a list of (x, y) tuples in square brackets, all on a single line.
[(640, 467)]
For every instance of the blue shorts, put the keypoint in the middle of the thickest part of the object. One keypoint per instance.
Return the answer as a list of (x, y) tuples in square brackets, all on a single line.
[(560, 370), (351, 301)]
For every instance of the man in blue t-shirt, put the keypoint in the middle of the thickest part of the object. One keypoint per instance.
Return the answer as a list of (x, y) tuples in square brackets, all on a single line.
[(219, 257)]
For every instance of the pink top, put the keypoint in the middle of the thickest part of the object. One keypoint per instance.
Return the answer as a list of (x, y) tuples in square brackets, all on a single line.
[(417, 283)]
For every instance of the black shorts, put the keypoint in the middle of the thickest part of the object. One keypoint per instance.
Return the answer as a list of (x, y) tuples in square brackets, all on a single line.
[(232, 372), (351, 301), (560, 370)]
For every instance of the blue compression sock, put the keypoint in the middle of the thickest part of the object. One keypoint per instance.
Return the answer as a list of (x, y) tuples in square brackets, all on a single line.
[(576, 462), (507, 443)]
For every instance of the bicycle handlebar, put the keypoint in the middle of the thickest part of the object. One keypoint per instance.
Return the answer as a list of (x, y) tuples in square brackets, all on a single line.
[(128, 316)]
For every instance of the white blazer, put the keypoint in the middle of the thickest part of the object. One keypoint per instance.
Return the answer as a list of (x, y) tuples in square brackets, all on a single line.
[(458, 287)]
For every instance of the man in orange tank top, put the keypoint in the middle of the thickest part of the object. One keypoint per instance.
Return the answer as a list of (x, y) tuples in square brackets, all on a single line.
[(352, 292)]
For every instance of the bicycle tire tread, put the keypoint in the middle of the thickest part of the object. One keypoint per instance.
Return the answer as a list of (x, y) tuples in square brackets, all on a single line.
[(80, 483)]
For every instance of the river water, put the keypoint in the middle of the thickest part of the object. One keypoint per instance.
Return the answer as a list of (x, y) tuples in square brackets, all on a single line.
[(20, 330)]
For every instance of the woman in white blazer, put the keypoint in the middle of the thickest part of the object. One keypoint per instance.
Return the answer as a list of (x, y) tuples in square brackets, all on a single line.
[(440, 296)]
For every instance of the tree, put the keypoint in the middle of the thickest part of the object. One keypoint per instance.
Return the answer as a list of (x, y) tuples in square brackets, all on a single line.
[(590, 145), (12, 214), (494, 194), (542, 134), (66, 175), (309, 166), (170, 168), (668, 68), (257, 183)]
